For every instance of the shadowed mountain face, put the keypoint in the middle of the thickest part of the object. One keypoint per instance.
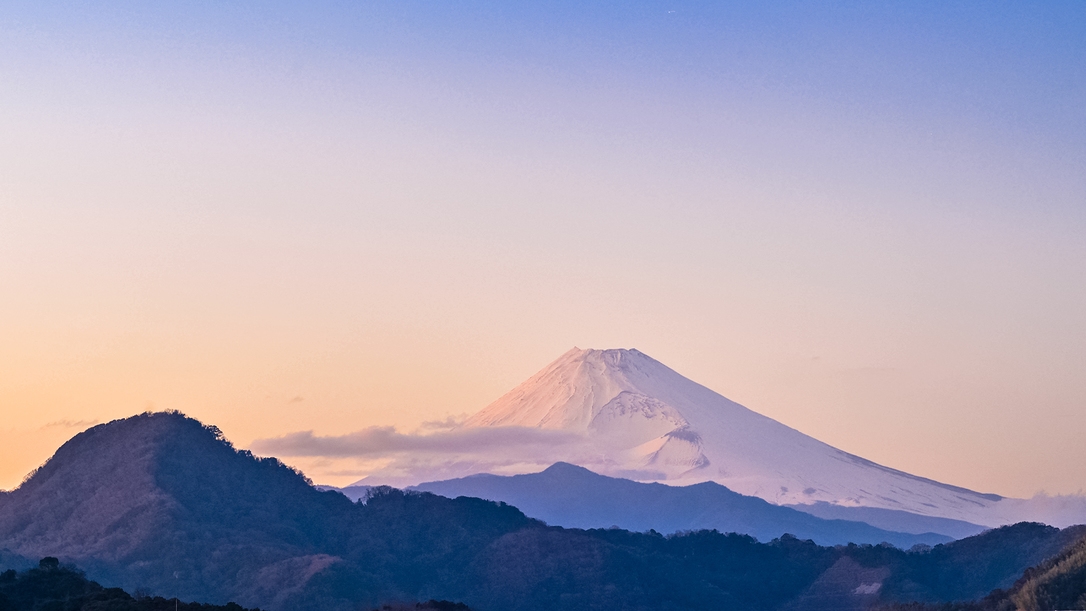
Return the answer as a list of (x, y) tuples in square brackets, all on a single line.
[(571, 496), (162, 503)]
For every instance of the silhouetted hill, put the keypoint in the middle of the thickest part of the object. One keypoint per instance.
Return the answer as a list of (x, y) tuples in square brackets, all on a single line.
[(572, 496), (162, 503), (53, 587)]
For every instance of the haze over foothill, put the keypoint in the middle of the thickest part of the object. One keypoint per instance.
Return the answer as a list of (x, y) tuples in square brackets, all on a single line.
[(865, 222)]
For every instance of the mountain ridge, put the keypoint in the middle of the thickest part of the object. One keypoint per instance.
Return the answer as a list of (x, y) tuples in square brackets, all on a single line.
[(575, 497)]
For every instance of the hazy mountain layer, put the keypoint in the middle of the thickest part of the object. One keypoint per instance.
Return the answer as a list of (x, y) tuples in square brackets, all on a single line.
[(571, 496), (895, 520)]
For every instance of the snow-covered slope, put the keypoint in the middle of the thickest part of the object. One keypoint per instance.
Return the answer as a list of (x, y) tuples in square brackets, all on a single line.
[(647, 422)]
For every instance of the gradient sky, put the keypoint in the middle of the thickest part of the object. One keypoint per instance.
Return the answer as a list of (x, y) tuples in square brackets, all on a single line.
[(866, 220)]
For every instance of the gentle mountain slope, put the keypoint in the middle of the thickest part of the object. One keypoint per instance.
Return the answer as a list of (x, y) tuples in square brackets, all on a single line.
[(890, 519), (647, 422), (571, 496)]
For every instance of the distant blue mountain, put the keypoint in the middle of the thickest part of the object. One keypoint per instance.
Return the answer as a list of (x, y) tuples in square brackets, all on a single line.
[(892, 519), (574, 497)]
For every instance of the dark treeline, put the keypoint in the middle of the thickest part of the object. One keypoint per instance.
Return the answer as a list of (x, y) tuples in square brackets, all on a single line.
[(425, 545), (52, 587), (430, 605)]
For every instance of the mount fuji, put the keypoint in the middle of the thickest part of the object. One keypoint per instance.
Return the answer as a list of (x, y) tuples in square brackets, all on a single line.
[(646, 422)]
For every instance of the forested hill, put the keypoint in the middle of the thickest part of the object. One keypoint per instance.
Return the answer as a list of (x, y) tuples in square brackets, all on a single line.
[(161, 503), (1057, 583)]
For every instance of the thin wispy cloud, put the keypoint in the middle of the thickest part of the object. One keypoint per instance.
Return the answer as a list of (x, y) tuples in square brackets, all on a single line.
[(448, 424), (379, 440), (437, 450), (70, 424)]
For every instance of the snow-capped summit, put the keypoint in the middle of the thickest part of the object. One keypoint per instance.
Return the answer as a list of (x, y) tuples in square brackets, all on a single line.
[(647, 422)]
